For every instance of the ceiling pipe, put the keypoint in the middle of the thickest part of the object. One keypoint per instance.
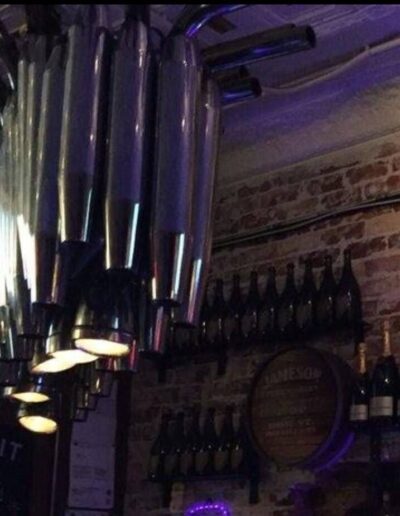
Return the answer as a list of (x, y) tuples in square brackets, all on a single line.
[(241, 90), (194, 17), (262, 45)]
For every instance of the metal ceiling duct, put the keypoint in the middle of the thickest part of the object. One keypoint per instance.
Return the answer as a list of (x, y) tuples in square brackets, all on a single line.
[(179, 82), (45, 207), (262, 45), (84, 115), (193, 17), (240, 90), (153, 322), (208, 135), (130, 132)]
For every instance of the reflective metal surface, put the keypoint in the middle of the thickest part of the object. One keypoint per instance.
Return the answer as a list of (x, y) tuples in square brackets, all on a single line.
[(82, 112), (208, 135), (267, 44), (240, 90), (194, 17), (131, 127), (179, 82)]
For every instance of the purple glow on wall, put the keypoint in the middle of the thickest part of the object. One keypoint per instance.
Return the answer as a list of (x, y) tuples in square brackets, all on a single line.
[(341, 453), (208, 509)]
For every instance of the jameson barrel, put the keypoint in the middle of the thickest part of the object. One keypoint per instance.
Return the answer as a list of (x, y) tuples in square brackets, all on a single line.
[(298, 408)]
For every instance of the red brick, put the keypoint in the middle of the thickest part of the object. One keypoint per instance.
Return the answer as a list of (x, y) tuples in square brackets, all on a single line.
[(387, 149), (325, 184), (370, 171), (382, 265), (368, 247)]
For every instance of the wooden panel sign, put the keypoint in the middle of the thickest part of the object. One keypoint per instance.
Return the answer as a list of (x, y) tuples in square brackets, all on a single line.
[(293, 406)]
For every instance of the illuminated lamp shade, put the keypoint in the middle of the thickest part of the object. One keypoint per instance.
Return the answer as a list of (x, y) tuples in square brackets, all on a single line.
[(38, 417), (208, 508), (42, 363), (34, 389), (59, 344), (106, 322)]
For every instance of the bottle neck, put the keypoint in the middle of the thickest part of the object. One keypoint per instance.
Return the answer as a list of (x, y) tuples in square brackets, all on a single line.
[(362, 364), (387, 348)]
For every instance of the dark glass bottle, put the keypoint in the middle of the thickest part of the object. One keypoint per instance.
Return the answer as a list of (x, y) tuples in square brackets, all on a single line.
[(348, 297), (159, 450), (203, 332), (306, 306), (250, 327), (233, 321), (170, 456), (178, 445), (326, 299), (183, 340), (226, 442), (360, 393), (238, 460), (269, 310), (216, 327), (205, 458), (384, 384), (193, 446), (287, 307)]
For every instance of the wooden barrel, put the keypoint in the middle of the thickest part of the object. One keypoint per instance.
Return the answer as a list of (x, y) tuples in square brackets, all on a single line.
[(298, 408)]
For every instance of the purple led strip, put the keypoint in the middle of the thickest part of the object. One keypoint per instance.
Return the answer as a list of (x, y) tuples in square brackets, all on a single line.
[(199, 508)]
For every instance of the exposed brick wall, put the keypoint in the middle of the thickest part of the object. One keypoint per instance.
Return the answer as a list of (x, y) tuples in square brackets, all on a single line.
[(362, 173)]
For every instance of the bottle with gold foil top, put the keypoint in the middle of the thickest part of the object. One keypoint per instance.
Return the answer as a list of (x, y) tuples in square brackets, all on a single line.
[(384, 384), (360, 393)]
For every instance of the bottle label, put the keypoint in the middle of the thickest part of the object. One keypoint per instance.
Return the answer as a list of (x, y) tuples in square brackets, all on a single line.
[(237, 458), (381, 406), (359, 412), (221, 457), (201, 461)]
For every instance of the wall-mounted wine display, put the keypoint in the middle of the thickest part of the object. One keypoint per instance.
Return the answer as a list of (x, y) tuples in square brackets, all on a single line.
[(267, 317), (192, 448), (376, 397)]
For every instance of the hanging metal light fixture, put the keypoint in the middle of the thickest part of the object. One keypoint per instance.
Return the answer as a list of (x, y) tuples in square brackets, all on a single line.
[(38, 417), (33, 389)]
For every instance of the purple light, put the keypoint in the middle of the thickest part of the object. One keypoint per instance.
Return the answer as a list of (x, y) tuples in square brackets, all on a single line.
[(208, 509)]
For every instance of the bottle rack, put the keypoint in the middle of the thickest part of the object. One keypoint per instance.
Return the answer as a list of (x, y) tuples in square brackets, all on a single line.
[(253, 305), (247, 472)]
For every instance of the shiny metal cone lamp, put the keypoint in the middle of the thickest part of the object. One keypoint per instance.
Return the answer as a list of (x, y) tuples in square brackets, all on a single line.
[(38, 417), (42, 363), (106, 322), (33, 389)]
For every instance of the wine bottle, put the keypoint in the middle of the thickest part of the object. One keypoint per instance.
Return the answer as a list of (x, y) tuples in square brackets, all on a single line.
[(326, 299), (159, 450), (306, 305), (287, 307), (176, 449), (386, 507), (251, 312), (170, 455), (217, 319), (348, 297), (233, 321), (183, 339), (269, 309), (238, 460), (205, 456), (360, 392), (225, 443), (193, 446), (384, 383), (203, 334)]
